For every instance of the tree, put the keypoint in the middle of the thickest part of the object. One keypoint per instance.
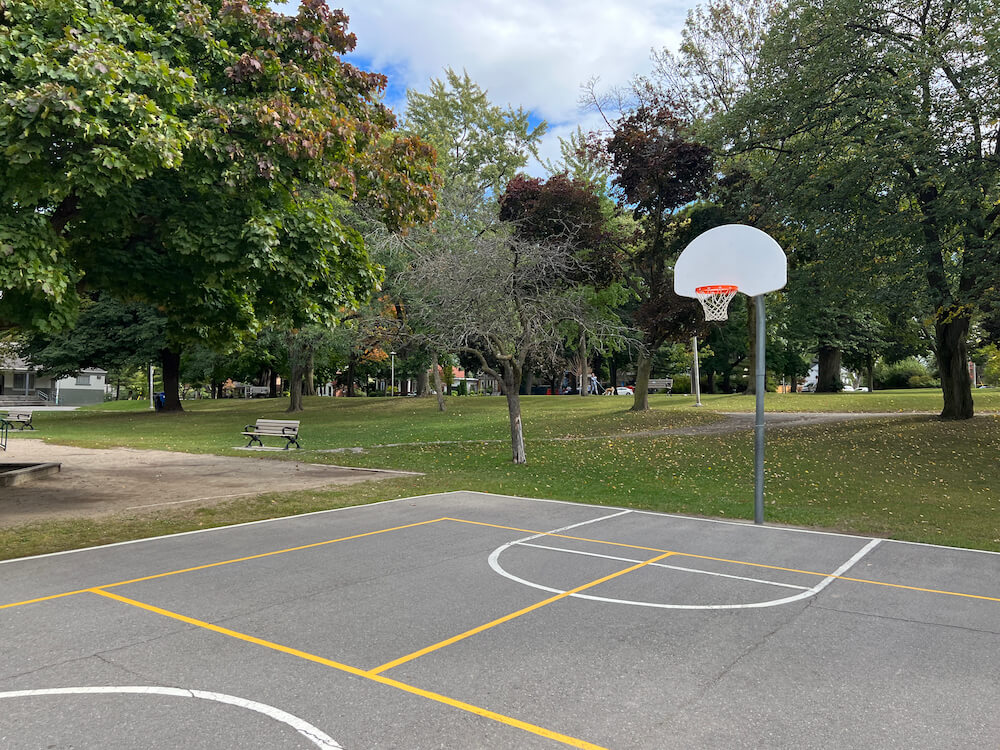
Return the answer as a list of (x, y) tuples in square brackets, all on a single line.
[(658, 168), (110, 335), (895, 105), (565, 210), (718, 57), (480, 145), (196, 158), (499, 299)]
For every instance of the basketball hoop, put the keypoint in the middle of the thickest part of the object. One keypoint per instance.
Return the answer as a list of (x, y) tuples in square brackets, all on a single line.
[(715, 299)]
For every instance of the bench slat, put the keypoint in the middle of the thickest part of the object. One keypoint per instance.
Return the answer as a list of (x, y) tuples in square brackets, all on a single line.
[(286, 428)]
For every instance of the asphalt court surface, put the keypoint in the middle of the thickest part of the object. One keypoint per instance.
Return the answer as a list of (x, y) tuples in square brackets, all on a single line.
[(468, 621)]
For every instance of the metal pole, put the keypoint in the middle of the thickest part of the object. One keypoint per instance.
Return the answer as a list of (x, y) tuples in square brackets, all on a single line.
[(758, 441), (151, 405), (392, 375), (695, 376)]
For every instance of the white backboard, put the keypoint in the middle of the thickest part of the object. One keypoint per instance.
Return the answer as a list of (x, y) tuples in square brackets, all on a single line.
[(731, 254)]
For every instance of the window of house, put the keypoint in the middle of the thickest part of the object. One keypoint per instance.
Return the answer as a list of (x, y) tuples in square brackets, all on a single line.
[(82, 379), (19, 383)]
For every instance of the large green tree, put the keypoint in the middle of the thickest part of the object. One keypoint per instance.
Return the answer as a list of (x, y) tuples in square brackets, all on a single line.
[(195, 156), (888, 111)]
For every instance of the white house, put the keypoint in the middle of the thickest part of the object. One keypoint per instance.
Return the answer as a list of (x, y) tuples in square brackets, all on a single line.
[(19, 382)]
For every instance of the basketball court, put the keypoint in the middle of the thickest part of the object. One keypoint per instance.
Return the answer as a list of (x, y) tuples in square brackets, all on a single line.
[(468, 620)]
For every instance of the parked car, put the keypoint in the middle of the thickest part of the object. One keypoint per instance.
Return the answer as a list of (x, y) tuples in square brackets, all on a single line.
[(620, 390)]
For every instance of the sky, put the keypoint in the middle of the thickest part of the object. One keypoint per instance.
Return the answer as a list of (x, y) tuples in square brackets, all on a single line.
[(533, 54)]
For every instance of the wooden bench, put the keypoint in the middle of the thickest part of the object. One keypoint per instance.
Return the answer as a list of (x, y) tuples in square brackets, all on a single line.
[(661, 384), (22, 418), (286, 428)]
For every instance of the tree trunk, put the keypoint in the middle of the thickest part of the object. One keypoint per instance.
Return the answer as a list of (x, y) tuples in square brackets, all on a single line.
[(951, 330), (170, 361), (643, 367), (352, 364), (295, 383), (710, 382), (828, 377), (514, 412), (437, 383), (309, 381), (582, 362), (613, 372), (527, 382), (296, 377), (423, 389), (272, 384)]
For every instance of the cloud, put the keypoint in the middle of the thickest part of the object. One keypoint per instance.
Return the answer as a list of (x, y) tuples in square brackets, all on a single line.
[(534, 55)]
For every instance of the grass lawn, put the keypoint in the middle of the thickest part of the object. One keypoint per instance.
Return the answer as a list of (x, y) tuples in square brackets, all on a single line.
[(912, 477)]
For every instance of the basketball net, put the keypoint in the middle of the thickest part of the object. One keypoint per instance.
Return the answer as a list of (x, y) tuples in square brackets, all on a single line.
[(715, 299)]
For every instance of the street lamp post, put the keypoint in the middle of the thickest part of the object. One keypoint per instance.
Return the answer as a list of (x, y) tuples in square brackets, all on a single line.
[(392, 376)]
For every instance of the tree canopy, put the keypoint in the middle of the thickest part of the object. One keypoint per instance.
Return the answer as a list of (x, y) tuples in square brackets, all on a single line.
[(195, 156)]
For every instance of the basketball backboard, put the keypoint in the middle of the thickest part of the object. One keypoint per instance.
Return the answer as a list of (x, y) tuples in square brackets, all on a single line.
[(733, 254)]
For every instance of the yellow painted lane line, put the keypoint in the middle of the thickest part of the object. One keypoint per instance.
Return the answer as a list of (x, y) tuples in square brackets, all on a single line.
[(511, 616), (43, 598), (553, 534), (268, 554), (224, 562), (847, 578), (437, 697), (733, 562)]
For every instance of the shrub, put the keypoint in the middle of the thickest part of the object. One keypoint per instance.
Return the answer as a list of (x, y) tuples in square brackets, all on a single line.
[(921, 381), (899, 374), (682, 384)]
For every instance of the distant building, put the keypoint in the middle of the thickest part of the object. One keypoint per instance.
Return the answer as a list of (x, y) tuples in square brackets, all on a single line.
[(20, 383)]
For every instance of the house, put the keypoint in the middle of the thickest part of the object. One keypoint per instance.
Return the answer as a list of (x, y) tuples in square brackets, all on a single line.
[(21, 384)]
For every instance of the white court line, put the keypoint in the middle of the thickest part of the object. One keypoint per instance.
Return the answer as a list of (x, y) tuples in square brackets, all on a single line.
[(316, 736), (745, 524), (494, 563), (664, 565), (230, 526)]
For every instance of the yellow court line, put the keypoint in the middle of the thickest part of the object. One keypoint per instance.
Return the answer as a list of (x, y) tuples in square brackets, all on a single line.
[(734, 562), (223, 562), (486, 713), (507, 618), (549, 533), (44, 598)]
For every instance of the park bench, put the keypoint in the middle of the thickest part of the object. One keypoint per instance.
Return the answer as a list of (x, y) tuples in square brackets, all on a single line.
[(286, 428), (20, 417), (661, 384)]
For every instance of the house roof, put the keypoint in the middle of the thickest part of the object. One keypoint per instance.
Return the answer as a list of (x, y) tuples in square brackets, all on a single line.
[(19, 364)]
